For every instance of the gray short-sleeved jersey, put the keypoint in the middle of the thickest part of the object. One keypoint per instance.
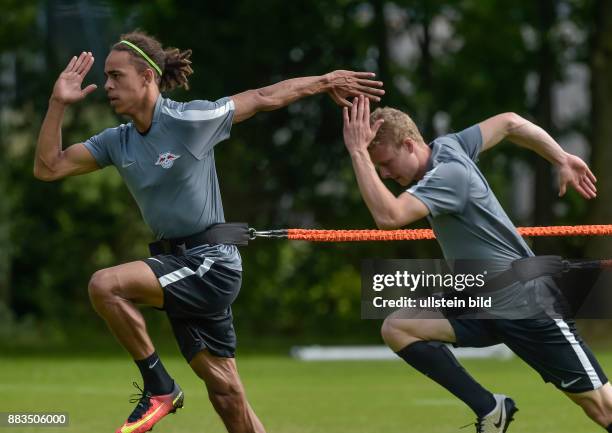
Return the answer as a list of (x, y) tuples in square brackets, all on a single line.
[(469, 222), (465, 215), (170, 170)]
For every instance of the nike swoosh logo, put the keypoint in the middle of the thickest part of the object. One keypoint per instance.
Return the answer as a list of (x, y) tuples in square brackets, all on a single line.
[(565, 384), (501, 415), (154, 364), (131, 428), (128, 164)]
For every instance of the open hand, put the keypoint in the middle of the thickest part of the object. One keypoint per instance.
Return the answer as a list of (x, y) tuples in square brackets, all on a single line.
[(576, 173), (67, 89), (347, 84), (357, 130)]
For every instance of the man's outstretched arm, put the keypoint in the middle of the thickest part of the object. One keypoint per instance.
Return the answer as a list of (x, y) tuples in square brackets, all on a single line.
[(339, 84), (511, 126), (50, 161), (389, 212)]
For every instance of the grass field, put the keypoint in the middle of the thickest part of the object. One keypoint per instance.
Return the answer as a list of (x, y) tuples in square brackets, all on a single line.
[(289, 396)]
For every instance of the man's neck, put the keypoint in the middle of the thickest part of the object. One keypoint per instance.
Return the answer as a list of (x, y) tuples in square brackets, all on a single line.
[(423, 155), (144, 116)]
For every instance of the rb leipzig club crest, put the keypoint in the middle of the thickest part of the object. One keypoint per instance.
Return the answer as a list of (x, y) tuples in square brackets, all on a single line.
[(166, 159)]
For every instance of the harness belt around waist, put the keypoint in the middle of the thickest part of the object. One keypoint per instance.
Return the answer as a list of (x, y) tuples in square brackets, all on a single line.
[(222, 233), (528, 269)]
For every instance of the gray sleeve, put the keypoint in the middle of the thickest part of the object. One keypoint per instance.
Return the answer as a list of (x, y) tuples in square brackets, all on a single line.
[(205, 123), (100, 146), (470, 140), (443, 189)]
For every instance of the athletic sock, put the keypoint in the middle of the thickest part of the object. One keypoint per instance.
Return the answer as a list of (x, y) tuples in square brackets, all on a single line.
[(609, 429), (435, 361), (155, 377)]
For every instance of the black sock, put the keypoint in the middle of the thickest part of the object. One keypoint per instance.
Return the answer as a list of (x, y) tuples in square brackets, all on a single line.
[(609, 428), (155, 377), (434, 360)]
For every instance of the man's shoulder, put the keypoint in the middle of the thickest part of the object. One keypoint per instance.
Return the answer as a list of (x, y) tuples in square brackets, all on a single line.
[(446, 142), (122, 127), (197, 109), (466, 142), (114, 134), (445, 148), (170, 103), (464, 145)]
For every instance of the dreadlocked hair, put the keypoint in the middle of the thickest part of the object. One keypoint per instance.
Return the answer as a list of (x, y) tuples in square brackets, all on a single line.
[(174, 63)]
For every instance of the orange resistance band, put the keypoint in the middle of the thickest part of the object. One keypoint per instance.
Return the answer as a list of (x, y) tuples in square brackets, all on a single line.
[(411, 235)]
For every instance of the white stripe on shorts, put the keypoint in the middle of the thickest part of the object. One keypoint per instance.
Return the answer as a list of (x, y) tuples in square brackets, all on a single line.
[(582, 356), (204, 267), (185, 272), (173, 277)]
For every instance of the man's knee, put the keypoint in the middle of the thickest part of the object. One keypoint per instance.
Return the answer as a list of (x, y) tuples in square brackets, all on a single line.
[(101, 287), (396, 332), (388, 330)]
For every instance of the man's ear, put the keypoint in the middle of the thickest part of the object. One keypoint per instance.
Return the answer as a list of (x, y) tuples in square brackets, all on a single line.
[(149, 76), (408, 144)]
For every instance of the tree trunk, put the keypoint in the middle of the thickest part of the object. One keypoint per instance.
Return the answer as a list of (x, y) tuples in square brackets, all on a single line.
[(600, 211), (5, 250), (601, 113), (544, 193), (381, 38), (424, 75)]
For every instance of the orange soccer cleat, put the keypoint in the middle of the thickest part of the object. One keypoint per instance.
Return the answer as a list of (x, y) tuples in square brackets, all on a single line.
[(150, 409)]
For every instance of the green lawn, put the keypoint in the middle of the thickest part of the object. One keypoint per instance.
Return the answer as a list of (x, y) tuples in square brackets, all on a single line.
[(289, 396)]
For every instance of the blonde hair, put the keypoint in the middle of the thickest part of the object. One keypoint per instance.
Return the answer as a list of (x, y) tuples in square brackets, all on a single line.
[(396, 128)]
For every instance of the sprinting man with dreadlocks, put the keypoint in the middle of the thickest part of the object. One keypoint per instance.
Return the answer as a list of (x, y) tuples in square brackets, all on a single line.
[(165, 156), (470, 223)]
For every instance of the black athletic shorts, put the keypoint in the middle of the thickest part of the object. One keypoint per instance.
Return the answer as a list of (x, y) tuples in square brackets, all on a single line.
[(198, 294), (552, 347)]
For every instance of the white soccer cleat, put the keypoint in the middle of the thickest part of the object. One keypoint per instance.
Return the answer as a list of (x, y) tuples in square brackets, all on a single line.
[(498, 419)]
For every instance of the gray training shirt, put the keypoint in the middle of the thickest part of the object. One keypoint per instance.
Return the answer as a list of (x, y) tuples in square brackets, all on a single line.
[(465, 215), (170, 170), (469, 222)]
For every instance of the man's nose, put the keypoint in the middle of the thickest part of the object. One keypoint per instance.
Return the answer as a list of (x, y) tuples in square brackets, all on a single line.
[(107, 84)]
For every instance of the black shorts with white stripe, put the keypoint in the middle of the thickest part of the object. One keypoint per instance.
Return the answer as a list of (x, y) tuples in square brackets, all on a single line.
[(198, 294), (552, 347)]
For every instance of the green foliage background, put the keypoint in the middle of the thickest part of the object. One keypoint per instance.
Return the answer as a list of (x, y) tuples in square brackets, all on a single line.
[(462, 61)]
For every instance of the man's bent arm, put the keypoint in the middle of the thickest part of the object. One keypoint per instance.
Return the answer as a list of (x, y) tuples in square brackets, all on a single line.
[(275, 96), (572, 170), (389, 212), (339, 84), (49, 143), (521, 131), (50, 161)]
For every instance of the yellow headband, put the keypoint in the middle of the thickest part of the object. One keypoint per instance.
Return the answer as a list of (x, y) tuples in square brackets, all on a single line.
[(144, 56)]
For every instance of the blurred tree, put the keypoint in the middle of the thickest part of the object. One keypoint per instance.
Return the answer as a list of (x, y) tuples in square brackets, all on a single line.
[(5, 243), (448, 64), (59, 232), (601, 126), (547, 70), (15, 41)]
